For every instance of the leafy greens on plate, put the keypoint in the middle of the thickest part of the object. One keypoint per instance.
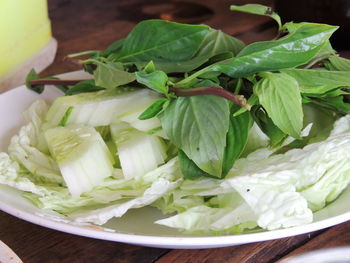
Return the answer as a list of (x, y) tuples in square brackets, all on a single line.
[(190, 120)]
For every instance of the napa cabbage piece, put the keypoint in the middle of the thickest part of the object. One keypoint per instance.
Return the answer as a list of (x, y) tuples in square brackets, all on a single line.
[(111, 198), (138, 152), (100, 108), (202, 206), (131, 116), (100, 216), (82, 156), (205, 219), (284, 189), (29, 148), (189, 194), (111, 189), (336, 179), (13, 175), (280, 190)]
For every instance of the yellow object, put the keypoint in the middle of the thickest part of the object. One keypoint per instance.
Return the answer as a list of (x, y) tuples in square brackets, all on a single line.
[(25, 29)]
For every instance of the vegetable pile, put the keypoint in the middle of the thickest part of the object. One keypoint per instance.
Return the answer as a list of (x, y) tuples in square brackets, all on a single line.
[(190, 120)]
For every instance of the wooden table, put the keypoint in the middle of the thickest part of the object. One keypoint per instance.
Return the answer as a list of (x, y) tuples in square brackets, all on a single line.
[(83, 25)]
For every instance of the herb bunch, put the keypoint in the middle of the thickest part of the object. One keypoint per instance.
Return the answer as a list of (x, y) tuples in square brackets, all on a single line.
[(214, 87)]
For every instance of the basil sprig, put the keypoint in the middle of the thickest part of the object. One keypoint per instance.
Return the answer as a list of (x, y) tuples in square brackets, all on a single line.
[(213, 87)]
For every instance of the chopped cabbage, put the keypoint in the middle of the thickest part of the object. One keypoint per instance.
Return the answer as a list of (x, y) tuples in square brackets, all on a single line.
[(82, 156), (100, 108), (138, 152), (24, 147), (263, 190)]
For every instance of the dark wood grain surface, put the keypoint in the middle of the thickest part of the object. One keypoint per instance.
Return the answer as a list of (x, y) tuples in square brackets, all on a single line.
[(82, 25)]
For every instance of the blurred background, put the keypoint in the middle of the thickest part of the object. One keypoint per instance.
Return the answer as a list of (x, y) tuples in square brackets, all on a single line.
[(334, 12)]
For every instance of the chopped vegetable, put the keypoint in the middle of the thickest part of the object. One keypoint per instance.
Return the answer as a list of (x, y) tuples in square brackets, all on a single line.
[(98, 108), (138, 152), (82, 156)]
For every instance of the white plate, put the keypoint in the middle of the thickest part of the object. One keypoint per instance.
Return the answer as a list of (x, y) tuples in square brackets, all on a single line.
[(136, 227), (7, 255)]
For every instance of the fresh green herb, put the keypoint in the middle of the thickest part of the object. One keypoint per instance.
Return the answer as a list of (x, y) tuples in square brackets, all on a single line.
[(35, 83), (188, 167), (111, 74), (265, 123), (279, 94), (83, 86), (236, 138), (32, 75), (156, 80), (257, 9), (338, 63), (198, 125), (154, 109), (212, 87), (316, 81)]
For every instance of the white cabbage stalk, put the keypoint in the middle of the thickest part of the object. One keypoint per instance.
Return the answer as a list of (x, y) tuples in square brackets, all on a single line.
[(99, 108), (82, 156), (139, 153)]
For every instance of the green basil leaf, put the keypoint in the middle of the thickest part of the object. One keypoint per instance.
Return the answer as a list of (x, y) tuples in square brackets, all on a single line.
[(216, 42), (275, 134), (265, 123), (290, 51), (216, 46), (319, 81), (205, 83), (236, 138), (336, 104), (198, 126), (153, 110), (220, 57), (112, 48), (296, 144), (83, 86), (279, 94), (110, 75), (188, 168), (150, 39), (257, 9), (32, 75), (326, 50), (169, 66), (89, 66), (150, 67), (185, 49), (156, 80), (338, 63), (212, 76)]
